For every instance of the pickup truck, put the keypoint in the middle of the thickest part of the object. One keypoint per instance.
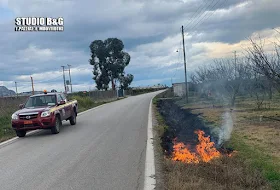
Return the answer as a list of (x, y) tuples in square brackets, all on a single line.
[(44, 111)]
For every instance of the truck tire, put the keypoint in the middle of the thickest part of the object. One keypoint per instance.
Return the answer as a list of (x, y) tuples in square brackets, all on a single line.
[(55, 129), (73, 118), (21, 133)]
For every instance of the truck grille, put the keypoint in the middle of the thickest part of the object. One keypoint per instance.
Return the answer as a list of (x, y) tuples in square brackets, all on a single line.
[(28, 117)]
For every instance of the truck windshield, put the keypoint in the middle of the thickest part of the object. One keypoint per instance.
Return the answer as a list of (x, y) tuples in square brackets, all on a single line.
[(41, 101)]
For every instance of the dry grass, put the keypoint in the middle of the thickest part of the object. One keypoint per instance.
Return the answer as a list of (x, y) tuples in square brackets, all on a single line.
[(224, 173), (257, 142), (264, 134), (266, 137), (257, 139)]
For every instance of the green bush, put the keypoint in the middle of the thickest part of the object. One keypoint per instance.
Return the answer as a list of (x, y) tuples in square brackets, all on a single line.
[(83, 102)]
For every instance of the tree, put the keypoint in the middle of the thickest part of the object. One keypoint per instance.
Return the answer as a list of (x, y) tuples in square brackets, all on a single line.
[(223, 78), (266, 64), (109, 61), (125, 81)]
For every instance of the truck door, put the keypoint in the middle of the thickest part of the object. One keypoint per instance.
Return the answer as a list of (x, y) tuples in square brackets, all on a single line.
[(67, 109), (61, 110)]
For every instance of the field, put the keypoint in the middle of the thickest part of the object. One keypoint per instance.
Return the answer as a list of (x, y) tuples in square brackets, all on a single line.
[(255, 137)]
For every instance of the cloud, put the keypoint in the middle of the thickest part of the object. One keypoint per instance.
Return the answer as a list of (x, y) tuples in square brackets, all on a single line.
[(150, 30), (224, 50), (34, 53)]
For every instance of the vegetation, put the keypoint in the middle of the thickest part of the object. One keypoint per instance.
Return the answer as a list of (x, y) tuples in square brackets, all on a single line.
[(256, 74), (248, 89), (125, 81), (6, 131), (252, 167), (255, 134), (109, 61), (86, 103), (224, 173)]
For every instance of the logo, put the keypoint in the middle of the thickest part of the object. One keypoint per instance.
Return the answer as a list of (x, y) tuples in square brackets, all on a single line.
[(39, 24), (28, 117)]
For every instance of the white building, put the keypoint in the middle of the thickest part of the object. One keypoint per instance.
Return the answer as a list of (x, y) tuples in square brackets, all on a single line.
[(179, 89)]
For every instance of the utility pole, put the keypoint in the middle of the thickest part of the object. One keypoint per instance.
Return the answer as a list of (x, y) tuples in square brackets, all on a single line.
[(185, 64), (16, 88), (235, 60), (70, 76), (64, 78), (32, 85)]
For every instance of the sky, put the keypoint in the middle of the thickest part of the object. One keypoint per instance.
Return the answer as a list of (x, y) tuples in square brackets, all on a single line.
[(149, 29)]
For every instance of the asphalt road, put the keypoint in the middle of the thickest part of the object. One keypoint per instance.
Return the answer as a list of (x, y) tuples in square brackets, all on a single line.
[(105, 150)]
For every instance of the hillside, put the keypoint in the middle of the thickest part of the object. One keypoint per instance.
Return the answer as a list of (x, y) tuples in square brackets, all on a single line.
[(6, 92)]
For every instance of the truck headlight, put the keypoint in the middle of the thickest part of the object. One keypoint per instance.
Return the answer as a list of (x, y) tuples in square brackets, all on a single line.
[(45, 114), (14, 117)]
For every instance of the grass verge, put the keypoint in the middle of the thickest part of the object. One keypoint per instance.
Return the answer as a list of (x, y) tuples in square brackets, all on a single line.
[(257, 158), (237, 172), (257, 141)]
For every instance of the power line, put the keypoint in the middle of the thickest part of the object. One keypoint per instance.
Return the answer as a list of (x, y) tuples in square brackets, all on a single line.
[(199, 15), (36, 82), (202, 21), (199, 21), (43, 81), (194, 15), (25, 84), (49, 79)]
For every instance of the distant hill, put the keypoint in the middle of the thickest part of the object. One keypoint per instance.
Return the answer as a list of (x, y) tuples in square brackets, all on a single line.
[(6, 92)]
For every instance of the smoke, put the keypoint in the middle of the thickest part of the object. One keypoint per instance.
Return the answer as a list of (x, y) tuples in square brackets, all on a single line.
[(226, 128)]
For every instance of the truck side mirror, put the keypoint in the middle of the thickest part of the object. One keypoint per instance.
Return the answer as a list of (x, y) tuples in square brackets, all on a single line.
[(61, 102), (21, 106)]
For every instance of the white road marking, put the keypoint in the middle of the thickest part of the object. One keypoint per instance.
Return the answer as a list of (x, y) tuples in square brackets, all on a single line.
[(7, 142), (12, 140), (150, 181), (149, 178)]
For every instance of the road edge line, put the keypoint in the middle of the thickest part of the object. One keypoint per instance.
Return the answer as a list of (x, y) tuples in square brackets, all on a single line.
[(10, 141), (149, 180)]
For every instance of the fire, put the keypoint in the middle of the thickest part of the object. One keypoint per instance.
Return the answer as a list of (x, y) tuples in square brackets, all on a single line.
[(181, 153), (205, 147), (205, 150)]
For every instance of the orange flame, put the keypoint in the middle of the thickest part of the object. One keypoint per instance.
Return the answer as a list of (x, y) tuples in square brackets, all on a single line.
[(205, 150), (181, 153)]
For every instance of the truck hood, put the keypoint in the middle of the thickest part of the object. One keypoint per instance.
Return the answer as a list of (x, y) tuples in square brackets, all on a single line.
[(31, 110)]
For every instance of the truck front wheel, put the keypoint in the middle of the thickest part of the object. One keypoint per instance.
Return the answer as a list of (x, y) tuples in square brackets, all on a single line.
[(55, 129), (21, 133)]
